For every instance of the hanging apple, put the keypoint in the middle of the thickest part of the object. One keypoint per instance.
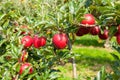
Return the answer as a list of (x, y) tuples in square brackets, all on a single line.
[(60, 40), (95, 30), (24, 56), (27, 41), (118, 38), (82, 30), (88, 19), (105, 35), (39, 41), (24, 66), (118, 31)]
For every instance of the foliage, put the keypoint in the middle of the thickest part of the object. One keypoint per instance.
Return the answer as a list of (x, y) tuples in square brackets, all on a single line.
[(115, 74), (45, 18)]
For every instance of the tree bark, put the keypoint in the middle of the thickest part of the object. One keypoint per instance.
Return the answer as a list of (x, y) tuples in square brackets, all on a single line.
[(73, 58), (107, 42), (74, 68)]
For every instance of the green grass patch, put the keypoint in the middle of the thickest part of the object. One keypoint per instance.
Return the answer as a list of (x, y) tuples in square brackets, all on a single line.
[(90, 57), (93, 53), (89, 40), (89, 61)]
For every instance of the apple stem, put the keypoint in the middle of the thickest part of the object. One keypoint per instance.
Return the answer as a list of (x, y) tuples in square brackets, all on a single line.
[(107, 42)]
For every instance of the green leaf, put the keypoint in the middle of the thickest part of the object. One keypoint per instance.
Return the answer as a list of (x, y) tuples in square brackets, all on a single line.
[(5, 25), (53, 76), (37, 77), (101, 74), (31, 76), (2, 16)]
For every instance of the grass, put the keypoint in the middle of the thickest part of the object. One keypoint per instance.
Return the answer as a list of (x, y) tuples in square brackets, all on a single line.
[(91, 53), (91, 56), (88, 40)]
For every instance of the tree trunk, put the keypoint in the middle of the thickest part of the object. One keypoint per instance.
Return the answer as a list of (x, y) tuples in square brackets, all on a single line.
[(73, 58), (107, 42), (74, 68)]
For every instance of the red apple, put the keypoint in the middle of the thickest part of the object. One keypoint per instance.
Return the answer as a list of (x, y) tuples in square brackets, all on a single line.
[(82, 30), (105, 35), (89, 19), (27, 41), (118, 39), (95, 30), (24, 56), (42, 41), (39, 41), (60, 40), (24, 66), (36, 41), (118, 31)]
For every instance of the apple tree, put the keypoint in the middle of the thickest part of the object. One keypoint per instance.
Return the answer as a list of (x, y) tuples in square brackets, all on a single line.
[(107, 16), (37, 35)]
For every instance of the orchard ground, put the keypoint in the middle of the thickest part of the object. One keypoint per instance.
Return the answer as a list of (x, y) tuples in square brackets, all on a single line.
[(92, 56)]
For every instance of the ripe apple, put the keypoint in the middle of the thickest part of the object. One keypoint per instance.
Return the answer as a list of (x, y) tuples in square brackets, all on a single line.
[(118, 31), (60, 40), (27, 41), (24, 56), (118, 38), (95, 30), (39, 41), (82, 30), (105, 35), (42, 41), (25, 66), (89, 19)]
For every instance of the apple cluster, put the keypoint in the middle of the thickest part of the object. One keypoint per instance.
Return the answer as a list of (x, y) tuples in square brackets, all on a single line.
[(59, 41), (95, 30), (23, 64), (37, 42), (27, 41)]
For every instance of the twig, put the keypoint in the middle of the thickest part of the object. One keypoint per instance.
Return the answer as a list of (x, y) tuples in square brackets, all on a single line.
[(74, 68), (87, 25)]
